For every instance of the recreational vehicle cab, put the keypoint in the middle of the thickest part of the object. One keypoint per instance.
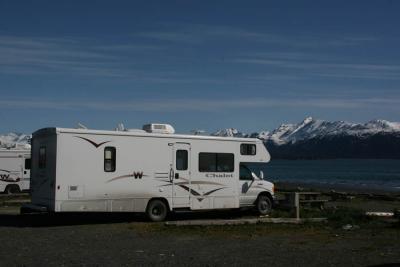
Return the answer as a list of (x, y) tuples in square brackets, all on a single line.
[(15, 165), (152, 171)]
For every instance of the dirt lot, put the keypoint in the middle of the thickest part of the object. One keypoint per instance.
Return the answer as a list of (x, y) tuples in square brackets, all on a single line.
[(127, 240), (103, 239)]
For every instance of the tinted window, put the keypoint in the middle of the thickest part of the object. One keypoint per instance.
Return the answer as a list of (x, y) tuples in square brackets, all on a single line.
[(109, 159), (225, 162), (181, 160), (247, 149), (207, 162), (216, 162), (27, 164), (245, 173), (42, 157)]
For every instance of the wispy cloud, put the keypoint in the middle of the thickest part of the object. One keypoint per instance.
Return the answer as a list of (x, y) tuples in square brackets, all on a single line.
[(129, 47), (323, 67), (25, 55), (133, 61), (201, 33), (41, 55), (200, 105), (142, 59)]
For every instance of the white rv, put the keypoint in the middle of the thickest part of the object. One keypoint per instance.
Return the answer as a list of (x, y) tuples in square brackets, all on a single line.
[(152, 171), (15, 165)]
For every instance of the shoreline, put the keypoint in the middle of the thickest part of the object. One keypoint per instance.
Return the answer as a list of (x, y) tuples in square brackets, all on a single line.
[(336, 187)]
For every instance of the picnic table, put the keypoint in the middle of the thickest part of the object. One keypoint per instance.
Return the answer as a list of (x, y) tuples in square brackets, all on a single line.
[(295, 199)]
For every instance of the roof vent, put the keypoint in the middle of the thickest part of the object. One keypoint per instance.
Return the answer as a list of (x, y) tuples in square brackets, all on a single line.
[(159, 128)]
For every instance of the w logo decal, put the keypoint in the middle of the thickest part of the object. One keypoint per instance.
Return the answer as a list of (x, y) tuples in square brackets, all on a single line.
[(4, 177), (137, 175)]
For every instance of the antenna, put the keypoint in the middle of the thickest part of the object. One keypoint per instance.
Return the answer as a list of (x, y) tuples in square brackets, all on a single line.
[(81, 126), (198, 132), (120, 127)]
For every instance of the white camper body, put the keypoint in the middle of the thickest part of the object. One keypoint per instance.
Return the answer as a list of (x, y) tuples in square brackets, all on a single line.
[(14, 170), (77, 170)]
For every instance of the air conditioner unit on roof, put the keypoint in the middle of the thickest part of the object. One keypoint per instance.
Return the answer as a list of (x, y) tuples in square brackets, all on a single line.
[(159, 128)]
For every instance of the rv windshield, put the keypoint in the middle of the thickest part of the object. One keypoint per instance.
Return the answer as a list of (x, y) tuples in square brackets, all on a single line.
[(256, 167)]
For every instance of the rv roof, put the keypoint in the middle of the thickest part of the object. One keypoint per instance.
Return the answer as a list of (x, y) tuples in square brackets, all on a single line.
[(121, 133)]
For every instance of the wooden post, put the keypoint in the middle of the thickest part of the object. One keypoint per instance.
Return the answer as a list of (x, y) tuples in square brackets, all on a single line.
[(297, 204)]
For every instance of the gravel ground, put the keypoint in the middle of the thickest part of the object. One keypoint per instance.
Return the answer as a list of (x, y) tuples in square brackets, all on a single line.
[(126, 240)]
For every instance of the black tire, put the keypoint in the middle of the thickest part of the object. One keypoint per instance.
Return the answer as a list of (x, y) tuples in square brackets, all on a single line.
[(264, 205), (12, 189), (157, 210)]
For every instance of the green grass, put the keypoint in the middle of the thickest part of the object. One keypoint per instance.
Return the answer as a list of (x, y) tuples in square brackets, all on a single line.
[(246, 231), (337, 218), (342, 216)]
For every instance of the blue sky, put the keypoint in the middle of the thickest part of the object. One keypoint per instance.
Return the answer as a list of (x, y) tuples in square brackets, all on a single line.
[(197, 64)]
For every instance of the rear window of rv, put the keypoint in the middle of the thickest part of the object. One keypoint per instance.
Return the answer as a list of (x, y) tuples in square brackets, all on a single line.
[(216, 162), (42, 157), (248, 149), (27, 164), (109, 159)]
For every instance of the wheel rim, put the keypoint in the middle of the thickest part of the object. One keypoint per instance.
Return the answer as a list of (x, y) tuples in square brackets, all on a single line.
[(264, 205), (157, 211)]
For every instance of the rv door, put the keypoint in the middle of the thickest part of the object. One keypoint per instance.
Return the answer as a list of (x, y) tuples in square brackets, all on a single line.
[(26, 172), (180, 175)]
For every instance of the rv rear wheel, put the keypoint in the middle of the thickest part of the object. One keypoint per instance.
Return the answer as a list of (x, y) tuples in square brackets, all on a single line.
[(12, 189), (263, 205), (157, 210)]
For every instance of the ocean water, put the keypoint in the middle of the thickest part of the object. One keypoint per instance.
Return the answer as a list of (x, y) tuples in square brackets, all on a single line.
[(368, 173)]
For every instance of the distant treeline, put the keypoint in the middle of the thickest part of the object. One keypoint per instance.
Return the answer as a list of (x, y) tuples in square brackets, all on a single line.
[(378, 146)]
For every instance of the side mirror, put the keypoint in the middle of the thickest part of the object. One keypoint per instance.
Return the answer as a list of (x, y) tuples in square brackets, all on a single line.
[(261, 175), (254, 176)]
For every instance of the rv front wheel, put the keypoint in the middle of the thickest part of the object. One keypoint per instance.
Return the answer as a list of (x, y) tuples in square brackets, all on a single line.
[(264, 205), (157, 210)]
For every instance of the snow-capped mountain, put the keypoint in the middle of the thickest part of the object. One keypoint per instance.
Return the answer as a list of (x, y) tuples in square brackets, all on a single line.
[(15, 140), (318, 139), (311, 128), (230, 132)]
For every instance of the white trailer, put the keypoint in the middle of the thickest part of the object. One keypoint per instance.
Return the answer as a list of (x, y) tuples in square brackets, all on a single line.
[(15, 165), (152, 171)]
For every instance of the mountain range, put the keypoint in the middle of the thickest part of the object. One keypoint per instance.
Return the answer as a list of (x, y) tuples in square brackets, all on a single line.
[(320, 139), (311, 128), (308, 139)]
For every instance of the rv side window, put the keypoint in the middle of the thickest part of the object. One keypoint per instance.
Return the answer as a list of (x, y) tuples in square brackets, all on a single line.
[(248, 149), (181, 160), (216, 162), (27, 164), (109, 159), (42, 157), (225, 162), (207, 162)]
